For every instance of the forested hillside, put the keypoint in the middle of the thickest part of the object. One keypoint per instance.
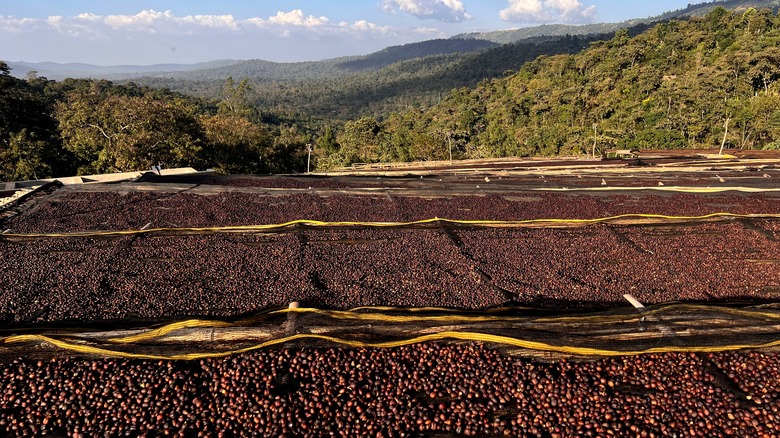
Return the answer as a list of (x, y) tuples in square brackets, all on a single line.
[(389, 80), (552, 30), (680, 84), (80, 126), (701, 82)]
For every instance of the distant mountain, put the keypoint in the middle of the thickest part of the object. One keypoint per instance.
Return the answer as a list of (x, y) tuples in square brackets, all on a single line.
[(345, 88), (697, 83), (702, 9), (53, 70), (558, 30), (414, 75), (394, 54), (543, 31), (256, 68), (260, 70)]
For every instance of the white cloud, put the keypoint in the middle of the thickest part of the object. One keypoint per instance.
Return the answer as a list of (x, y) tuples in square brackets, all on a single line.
[(430, 31), (152, 21), (88, 17), (443, 10), (167, 23), (10, 24), (150, 36), (297, 18), (54, 20), (548, 11), (213, 21)]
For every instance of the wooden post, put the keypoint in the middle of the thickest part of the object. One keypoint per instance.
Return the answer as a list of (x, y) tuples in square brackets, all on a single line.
[(723, 143), (291, 325)]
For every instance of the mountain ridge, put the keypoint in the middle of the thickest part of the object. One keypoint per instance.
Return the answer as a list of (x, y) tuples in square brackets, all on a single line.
[(559, 30), (258, 68), (465, 43), (55, 70)]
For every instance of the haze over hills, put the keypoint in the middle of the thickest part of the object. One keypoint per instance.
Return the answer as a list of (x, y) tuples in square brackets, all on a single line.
[(462, 45), (414, 75), (257, 68), (57, 71), (260, 70), (697, 83), (329, 91)]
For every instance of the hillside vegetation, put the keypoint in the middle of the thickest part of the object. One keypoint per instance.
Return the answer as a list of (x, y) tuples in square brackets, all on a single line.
[(81, 126), (552, 30), (414, 75), (390, 80), (680, 84), (700, 82)]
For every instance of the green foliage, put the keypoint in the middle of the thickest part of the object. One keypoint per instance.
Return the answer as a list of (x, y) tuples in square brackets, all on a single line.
[(234, 98), (234, 144), (80, 126), (110, 133), (675, 85), (24, 158), (388, 81), (30, 145)]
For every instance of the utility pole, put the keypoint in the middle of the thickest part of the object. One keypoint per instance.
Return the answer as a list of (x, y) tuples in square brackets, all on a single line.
[(595, 136), (309, 147), (449, 142)]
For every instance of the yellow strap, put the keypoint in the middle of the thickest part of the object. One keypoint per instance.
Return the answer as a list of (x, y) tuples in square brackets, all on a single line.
[(166, 329), (322, 224), (377, 316), (449, 335)]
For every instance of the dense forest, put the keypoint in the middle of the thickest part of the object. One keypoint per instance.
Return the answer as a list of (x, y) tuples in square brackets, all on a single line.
[(414, 75), (552, 30), (80, 126), (681, 84), (700, 82)]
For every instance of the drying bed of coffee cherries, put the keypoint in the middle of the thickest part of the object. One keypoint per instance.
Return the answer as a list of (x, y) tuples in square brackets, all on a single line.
[(596, 265), (432, 389), (83, 211), (229, 275), (536, 176), (422, 390)]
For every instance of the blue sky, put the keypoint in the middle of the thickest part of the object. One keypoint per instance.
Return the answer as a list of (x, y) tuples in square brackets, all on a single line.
[(111, 32)]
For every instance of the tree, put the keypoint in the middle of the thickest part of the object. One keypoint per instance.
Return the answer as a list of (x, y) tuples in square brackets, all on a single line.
[(765, 68), (235, 98), (360, 141), (119, 133), (30, 145), (288, 152), (234, 144), (24, 158), (327, 142)]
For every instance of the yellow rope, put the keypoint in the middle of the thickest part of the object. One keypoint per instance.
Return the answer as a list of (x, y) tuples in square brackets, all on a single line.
[(463, 318), (166, 329), (337, 314), (80, 345), (680, 308), (323, 224), (448, 335), (676, 189), (451, 319)]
